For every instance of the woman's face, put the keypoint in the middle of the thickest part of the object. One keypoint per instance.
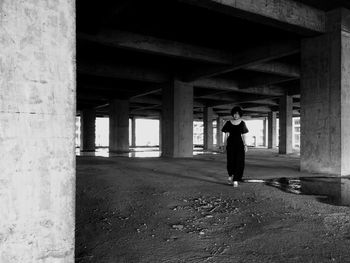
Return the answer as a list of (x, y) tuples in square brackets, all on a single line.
[(236, 116)]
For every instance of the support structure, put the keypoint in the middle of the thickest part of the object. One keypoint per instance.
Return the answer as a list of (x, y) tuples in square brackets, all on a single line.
[(219, 124), (87, 130), (208, 129), (133, 132), (325, 98), (265, 132), (160, 132), (119, 126), (37, 127), (177, 119), (272, 129), (286, 125)]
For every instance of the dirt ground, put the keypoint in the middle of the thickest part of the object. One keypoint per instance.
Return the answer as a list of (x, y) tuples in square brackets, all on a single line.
[(182, 210)]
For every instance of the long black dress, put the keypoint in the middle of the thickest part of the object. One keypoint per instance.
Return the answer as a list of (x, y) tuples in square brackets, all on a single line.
[(235, 149)]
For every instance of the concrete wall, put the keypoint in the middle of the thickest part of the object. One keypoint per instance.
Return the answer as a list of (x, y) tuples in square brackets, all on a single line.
[(37, 128)]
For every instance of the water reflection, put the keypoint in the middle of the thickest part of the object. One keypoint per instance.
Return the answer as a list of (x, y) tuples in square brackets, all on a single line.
[(138, 152), (332, 190)]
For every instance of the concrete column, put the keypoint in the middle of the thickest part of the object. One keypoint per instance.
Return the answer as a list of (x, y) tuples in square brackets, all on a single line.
[(133, 131), (87, 130), (286, 125), (265, 132), (219, 124), (119, 126), (208, 128), (177, 119), (272, 130), (325, 98), (160, 132), (37, 131)]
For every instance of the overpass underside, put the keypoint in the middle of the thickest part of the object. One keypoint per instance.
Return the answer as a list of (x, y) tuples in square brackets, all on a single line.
[(177, 61)]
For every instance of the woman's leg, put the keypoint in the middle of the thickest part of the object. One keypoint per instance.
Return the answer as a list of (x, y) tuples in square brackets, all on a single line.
[(240, 164), (230, 161)]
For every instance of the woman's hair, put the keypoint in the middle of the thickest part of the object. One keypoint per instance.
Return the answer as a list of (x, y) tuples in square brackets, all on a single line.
[(238, 110)]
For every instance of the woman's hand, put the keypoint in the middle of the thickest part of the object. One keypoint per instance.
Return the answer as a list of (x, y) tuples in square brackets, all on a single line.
[(245, 148)]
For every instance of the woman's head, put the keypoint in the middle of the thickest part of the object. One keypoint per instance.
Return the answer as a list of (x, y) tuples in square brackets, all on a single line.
[(236, 112)]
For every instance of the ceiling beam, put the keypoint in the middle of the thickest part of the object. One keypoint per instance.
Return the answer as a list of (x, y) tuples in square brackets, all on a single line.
[(262, 80), (232, 99), (231, 85), (158, 46), (286, 14), (146, 74), (247, 58), (277, 68)]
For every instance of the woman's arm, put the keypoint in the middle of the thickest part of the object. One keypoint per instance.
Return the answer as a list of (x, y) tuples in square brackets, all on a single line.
[(244, 143), (225, 141)]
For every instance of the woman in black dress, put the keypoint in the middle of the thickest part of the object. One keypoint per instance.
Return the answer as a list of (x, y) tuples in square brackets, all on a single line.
[(235, 145)]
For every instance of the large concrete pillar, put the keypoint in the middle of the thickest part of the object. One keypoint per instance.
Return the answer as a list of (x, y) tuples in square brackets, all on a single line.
[(177, 119), (219, 125), (133, 131), (37, 131), (325, 98), (87, 130), (208, 128), (272, 130), (119, 126), (286, 125)]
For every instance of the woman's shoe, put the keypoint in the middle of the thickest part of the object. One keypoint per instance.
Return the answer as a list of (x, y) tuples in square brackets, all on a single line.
[(229, 180), (235, 183)]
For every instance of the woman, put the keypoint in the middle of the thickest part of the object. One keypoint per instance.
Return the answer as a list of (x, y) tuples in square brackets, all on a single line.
[(235, 146)]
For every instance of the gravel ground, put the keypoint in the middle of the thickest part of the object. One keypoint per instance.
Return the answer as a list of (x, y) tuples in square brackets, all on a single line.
[(182, 210)]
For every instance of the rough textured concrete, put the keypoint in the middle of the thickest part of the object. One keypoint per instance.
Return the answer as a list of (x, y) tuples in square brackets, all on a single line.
[(119, 126), (87, 130), (182, 210), (265, 132), (37, 129), (272, 126), (286, 125), (219, 124), (133, 131), (177, 119), (325, 99), (208, 128)]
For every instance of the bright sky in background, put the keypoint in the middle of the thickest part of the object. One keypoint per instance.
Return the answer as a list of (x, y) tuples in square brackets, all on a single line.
[(147, 132)]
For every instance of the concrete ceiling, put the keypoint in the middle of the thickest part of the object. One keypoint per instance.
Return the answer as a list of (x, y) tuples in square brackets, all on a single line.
[(245, 54)]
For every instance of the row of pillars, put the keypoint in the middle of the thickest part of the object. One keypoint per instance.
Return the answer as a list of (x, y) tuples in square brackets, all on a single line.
[(119, 128)]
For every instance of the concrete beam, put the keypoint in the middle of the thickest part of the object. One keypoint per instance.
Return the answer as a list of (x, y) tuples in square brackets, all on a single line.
[(277, 68), (156, 75), (149, 74), (285, 14), (158, 46), (263, 81), (247, 58), (235, 99), (146, 93), (231, 85)]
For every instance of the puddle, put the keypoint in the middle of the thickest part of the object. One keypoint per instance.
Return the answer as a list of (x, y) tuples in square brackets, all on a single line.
[(138, 152), (331, 190)]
